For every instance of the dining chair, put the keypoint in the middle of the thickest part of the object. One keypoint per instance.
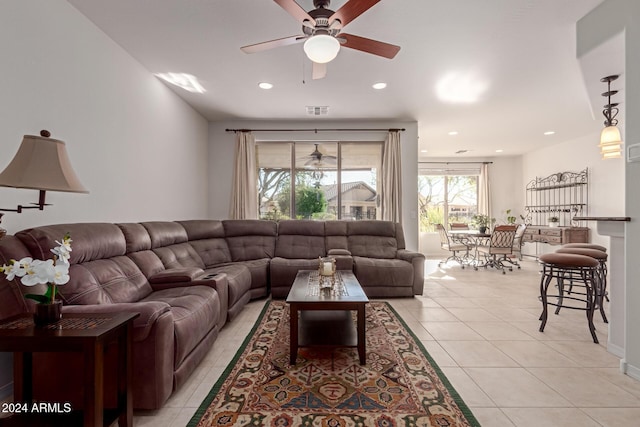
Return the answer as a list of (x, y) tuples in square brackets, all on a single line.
[(499, 248), (454, 246), (518, 242)]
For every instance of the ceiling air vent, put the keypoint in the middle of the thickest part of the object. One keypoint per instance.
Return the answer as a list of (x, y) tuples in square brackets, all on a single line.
[(322, 110)]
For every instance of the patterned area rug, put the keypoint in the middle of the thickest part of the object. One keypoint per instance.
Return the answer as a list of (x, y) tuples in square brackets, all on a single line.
[(399, 386)]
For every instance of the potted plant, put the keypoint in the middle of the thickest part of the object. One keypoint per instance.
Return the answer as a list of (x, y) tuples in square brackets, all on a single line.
[(52, 272), (483, 222), (554, 221)]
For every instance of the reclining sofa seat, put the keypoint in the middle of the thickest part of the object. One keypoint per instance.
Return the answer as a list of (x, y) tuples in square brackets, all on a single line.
[(382, 265), (252, 243), (374, 250), (299, 244), (176, 326)]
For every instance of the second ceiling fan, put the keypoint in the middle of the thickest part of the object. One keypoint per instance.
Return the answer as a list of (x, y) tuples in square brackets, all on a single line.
[(322, 34)]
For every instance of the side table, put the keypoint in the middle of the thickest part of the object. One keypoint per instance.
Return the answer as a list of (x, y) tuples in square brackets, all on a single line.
[(88, 334)]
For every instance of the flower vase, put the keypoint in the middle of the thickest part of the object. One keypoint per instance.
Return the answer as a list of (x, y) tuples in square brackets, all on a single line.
[(46, 314), (482, 230)]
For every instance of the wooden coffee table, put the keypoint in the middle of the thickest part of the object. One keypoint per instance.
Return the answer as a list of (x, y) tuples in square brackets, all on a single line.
[(322, 317)]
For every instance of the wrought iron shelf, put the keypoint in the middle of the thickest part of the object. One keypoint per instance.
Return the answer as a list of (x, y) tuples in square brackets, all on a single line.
[(563, 194)]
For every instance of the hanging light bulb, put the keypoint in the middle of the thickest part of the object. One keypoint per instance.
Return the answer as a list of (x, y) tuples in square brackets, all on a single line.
[(610, 139)]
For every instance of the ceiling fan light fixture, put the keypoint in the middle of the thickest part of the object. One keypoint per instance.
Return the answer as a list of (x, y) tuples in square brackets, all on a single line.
[(322, 48)]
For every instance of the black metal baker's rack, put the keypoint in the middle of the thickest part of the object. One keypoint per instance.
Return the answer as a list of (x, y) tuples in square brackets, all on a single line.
[(563, 195)]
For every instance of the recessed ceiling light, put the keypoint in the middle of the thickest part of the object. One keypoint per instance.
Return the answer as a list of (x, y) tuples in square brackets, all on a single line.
[(183, 80), (453, 132), (423, 151), (499, 151), (265, 85), (380, 85), (550, 132)]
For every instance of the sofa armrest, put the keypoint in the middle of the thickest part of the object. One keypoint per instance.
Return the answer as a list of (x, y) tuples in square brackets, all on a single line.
[(150, 312), (417, 261), (176, 275)]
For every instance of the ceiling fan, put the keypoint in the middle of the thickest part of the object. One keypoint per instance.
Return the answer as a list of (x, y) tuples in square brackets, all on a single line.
[(317, 159), (322, 34)]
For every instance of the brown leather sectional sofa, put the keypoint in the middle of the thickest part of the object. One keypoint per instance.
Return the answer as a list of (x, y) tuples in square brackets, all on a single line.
[(187, 278)]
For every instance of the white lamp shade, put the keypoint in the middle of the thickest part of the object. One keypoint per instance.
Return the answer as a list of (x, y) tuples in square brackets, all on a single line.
[(41, 163), (610, 143), (322, 48)]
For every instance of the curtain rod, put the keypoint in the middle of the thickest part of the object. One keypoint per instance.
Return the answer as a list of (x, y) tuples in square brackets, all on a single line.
[(458, 163), (315, 130)]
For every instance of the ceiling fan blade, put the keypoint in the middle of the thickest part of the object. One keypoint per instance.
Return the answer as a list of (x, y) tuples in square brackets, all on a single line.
[(364, 44), (285, 41), (351, 10), (295, 10), (319, 71)]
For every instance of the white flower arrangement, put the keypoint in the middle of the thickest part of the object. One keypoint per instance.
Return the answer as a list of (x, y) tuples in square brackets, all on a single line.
[(53, 272)]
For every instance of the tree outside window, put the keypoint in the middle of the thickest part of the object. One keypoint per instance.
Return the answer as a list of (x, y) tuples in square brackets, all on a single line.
[(444, 199)]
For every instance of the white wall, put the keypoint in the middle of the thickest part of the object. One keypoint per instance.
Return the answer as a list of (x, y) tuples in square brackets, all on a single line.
[(507, 192), (606, 178), (138, 148), (599, 26), (222, 154)]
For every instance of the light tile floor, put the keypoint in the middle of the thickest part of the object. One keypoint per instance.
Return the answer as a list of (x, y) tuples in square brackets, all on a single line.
[(481, 327)]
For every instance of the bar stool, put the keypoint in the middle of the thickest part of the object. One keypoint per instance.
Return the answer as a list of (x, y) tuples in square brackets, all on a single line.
[(581, 271), (585, 246), (602, 272)]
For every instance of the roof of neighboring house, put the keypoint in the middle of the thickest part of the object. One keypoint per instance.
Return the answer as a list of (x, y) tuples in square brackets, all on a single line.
[(331, 190)]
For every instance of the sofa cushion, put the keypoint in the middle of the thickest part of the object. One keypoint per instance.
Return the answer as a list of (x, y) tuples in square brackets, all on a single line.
[(373, 272), (373, 239), (238, 278), (165, 233), (212, 251), (283, 273), (198, 229), (336, 235), (195, 312), (91, 241), (300, 239), (136, 236), (179, 256), (259, 269), (105, 281), (250, 239)]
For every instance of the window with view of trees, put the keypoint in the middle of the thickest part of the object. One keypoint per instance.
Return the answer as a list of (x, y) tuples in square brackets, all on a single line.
[(340, 183), (446, 198)]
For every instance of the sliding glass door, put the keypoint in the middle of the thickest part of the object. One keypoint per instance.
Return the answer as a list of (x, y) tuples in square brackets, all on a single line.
[(319, 180)]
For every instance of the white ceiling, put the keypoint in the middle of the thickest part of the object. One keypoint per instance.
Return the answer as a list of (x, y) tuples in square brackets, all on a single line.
[(522, 51)]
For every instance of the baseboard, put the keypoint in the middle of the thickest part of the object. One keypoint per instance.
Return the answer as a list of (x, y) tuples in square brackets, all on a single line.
[(632, 371), (616, 350)]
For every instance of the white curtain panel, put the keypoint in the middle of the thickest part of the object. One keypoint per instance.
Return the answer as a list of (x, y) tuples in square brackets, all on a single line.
[(244, 200), (391, 206), (484, 192)]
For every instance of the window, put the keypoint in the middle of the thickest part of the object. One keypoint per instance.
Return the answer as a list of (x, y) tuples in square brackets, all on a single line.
[(313, 172), (447, 195)]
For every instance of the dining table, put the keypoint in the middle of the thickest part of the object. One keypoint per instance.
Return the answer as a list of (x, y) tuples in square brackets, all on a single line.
[(472, 239)]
